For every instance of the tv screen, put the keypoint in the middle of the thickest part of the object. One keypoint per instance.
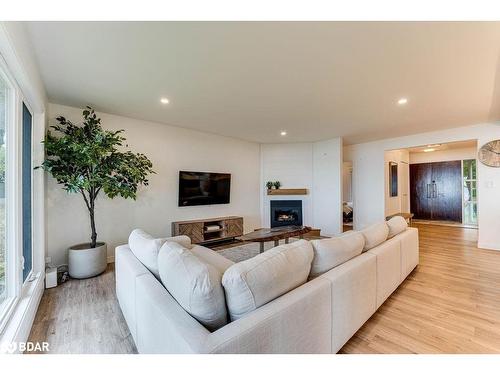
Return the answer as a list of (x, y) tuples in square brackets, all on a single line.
[(202, 188)]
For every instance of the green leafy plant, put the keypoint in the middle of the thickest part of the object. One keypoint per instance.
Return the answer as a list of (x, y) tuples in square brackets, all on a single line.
[(86, 159), (277, 184), (269, 184)]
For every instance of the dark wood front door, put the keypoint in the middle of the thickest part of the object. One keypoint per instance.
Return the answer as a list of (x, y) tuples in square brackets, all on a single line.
[(420, 178), (436, 190)]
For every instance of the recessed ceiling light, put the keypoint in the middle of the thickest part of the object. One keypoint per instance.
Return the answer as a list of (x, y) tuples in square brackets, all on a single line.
[(164, 101), (429, 149), (283, 133), (402, 101)]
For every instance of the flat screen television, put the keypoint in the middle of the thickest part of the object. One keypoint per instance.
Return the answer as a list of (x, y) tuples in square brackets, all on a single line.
[(202, 188)]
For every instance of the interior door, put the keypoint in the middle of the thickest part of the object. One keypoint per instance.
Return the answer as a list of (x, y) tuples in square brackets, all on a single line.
[(447, 191), (420, 180)]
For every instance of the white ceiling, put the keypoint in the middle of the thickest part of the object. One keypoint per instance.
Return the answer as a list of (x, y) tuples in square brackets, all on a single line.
[(250, 80)]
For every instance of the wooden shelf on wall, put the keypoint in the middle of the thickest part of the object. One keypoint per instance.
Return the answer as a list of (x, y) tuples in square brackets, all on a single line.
[(286, 191)]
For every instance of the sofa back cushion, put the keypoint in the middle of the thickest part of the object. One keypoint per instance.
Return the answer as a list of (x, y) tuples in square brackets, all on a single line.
[(194, 284), (375, 234), (211, 257), (256, 281), (331, 252), (396, 225), (146, 248)]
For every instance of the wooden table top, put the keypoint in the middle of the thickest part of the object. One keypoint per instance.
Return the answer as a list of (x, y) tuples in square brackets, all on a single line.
[(274, 234)]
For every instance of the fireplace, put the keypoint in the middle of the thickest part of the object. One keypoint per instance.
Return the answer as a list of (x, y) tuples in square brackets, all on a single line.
[(286, 213)]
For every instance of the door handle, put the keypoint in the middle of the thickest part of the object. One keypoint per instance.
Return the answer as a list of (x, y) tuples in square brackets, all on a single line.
[(434, 189)]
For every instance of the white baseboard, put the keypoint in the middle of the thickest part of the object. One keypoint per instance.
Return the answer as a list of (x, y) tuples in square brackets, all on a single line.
[(487, 246)]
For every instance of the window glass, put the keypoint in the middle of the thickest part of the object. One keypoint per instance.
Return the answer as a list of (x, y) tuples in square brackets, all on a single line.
[(470, 192), (27, 173), (3, 120)]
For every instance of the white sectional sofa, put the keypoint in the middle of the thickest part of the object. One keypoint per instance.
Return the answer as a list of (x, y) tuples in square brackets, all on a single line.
[(318, 316)]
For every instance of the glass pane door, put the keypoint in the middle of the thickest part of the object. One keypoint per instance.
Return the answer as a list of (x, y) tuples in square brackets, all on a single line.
[(469, 192)]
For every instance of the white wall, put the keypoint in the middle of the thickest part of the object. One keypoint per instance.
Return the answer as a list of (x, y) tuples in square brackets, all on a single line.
[(393, 204), (327, 186), (17, 51), (314, 166), (444, 155), (292, 165), (368, 177), (171, 149)]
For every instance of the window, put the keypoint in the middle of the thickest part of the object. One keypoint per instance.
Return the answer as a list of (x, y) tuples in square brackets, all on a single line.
[(469, 192), (17, 264), (27, 171), (3, 253)]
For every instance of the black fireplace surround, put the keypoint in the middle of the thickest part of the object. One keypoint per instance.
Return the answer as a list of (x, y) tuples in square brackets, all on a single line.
[(286, 213)]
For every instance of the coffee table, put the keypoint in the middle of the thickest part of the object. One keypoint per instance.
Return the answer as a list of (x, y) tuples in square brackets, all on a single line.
[(275, 234)]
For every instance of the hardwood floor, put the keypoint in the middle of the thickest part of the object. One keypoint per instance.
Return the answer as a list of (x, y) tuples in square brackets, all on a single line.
[(449, 304), (83, 316)]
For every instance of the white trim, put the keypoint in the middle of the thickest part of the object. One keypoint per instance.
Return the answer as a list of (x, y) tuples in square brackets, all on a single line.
[(12, 197), (488, 246), (21, 321)]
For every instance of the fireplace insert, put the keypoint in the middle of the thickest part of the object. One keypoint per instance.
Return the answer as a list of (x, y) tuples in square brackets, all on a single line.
[(286, 212)]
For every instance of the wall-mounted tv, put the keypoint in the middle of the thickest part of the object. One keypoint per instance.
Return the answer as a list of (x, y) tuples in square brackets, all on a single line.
[(202, 188)]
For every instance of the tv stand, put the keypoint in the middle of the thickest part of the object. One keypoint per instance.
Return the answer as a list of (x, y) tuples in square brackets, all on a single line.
[(209, 230)]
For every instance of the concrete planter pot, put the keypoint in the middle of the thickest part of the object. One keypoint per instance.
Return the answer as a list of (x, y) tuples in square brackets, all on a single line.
[(85, 262)]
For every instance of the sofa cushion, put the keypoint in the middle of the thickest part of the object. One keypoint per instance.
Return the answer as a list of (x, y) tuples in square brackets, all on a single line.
[(145, 248), (211, 257), (375, 234), (331, 252), (396, 225), (195, 284), (354, 296), (256, 281), (388, 268), (409, 251)]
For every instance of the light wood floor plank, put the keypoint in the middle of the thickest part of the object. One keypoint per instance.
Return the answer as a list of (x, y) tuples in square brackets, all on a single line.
[(83, 316), (449, 304)]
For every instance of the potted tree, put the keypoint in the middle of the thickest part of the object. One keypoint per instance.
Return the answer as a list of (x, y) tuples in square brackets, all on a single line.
[(87, 160)]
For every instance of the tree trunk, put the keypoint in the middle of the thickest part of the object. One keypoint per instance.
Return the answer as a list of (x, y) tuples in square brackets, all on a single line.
[(93, 242), (93, 238)]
